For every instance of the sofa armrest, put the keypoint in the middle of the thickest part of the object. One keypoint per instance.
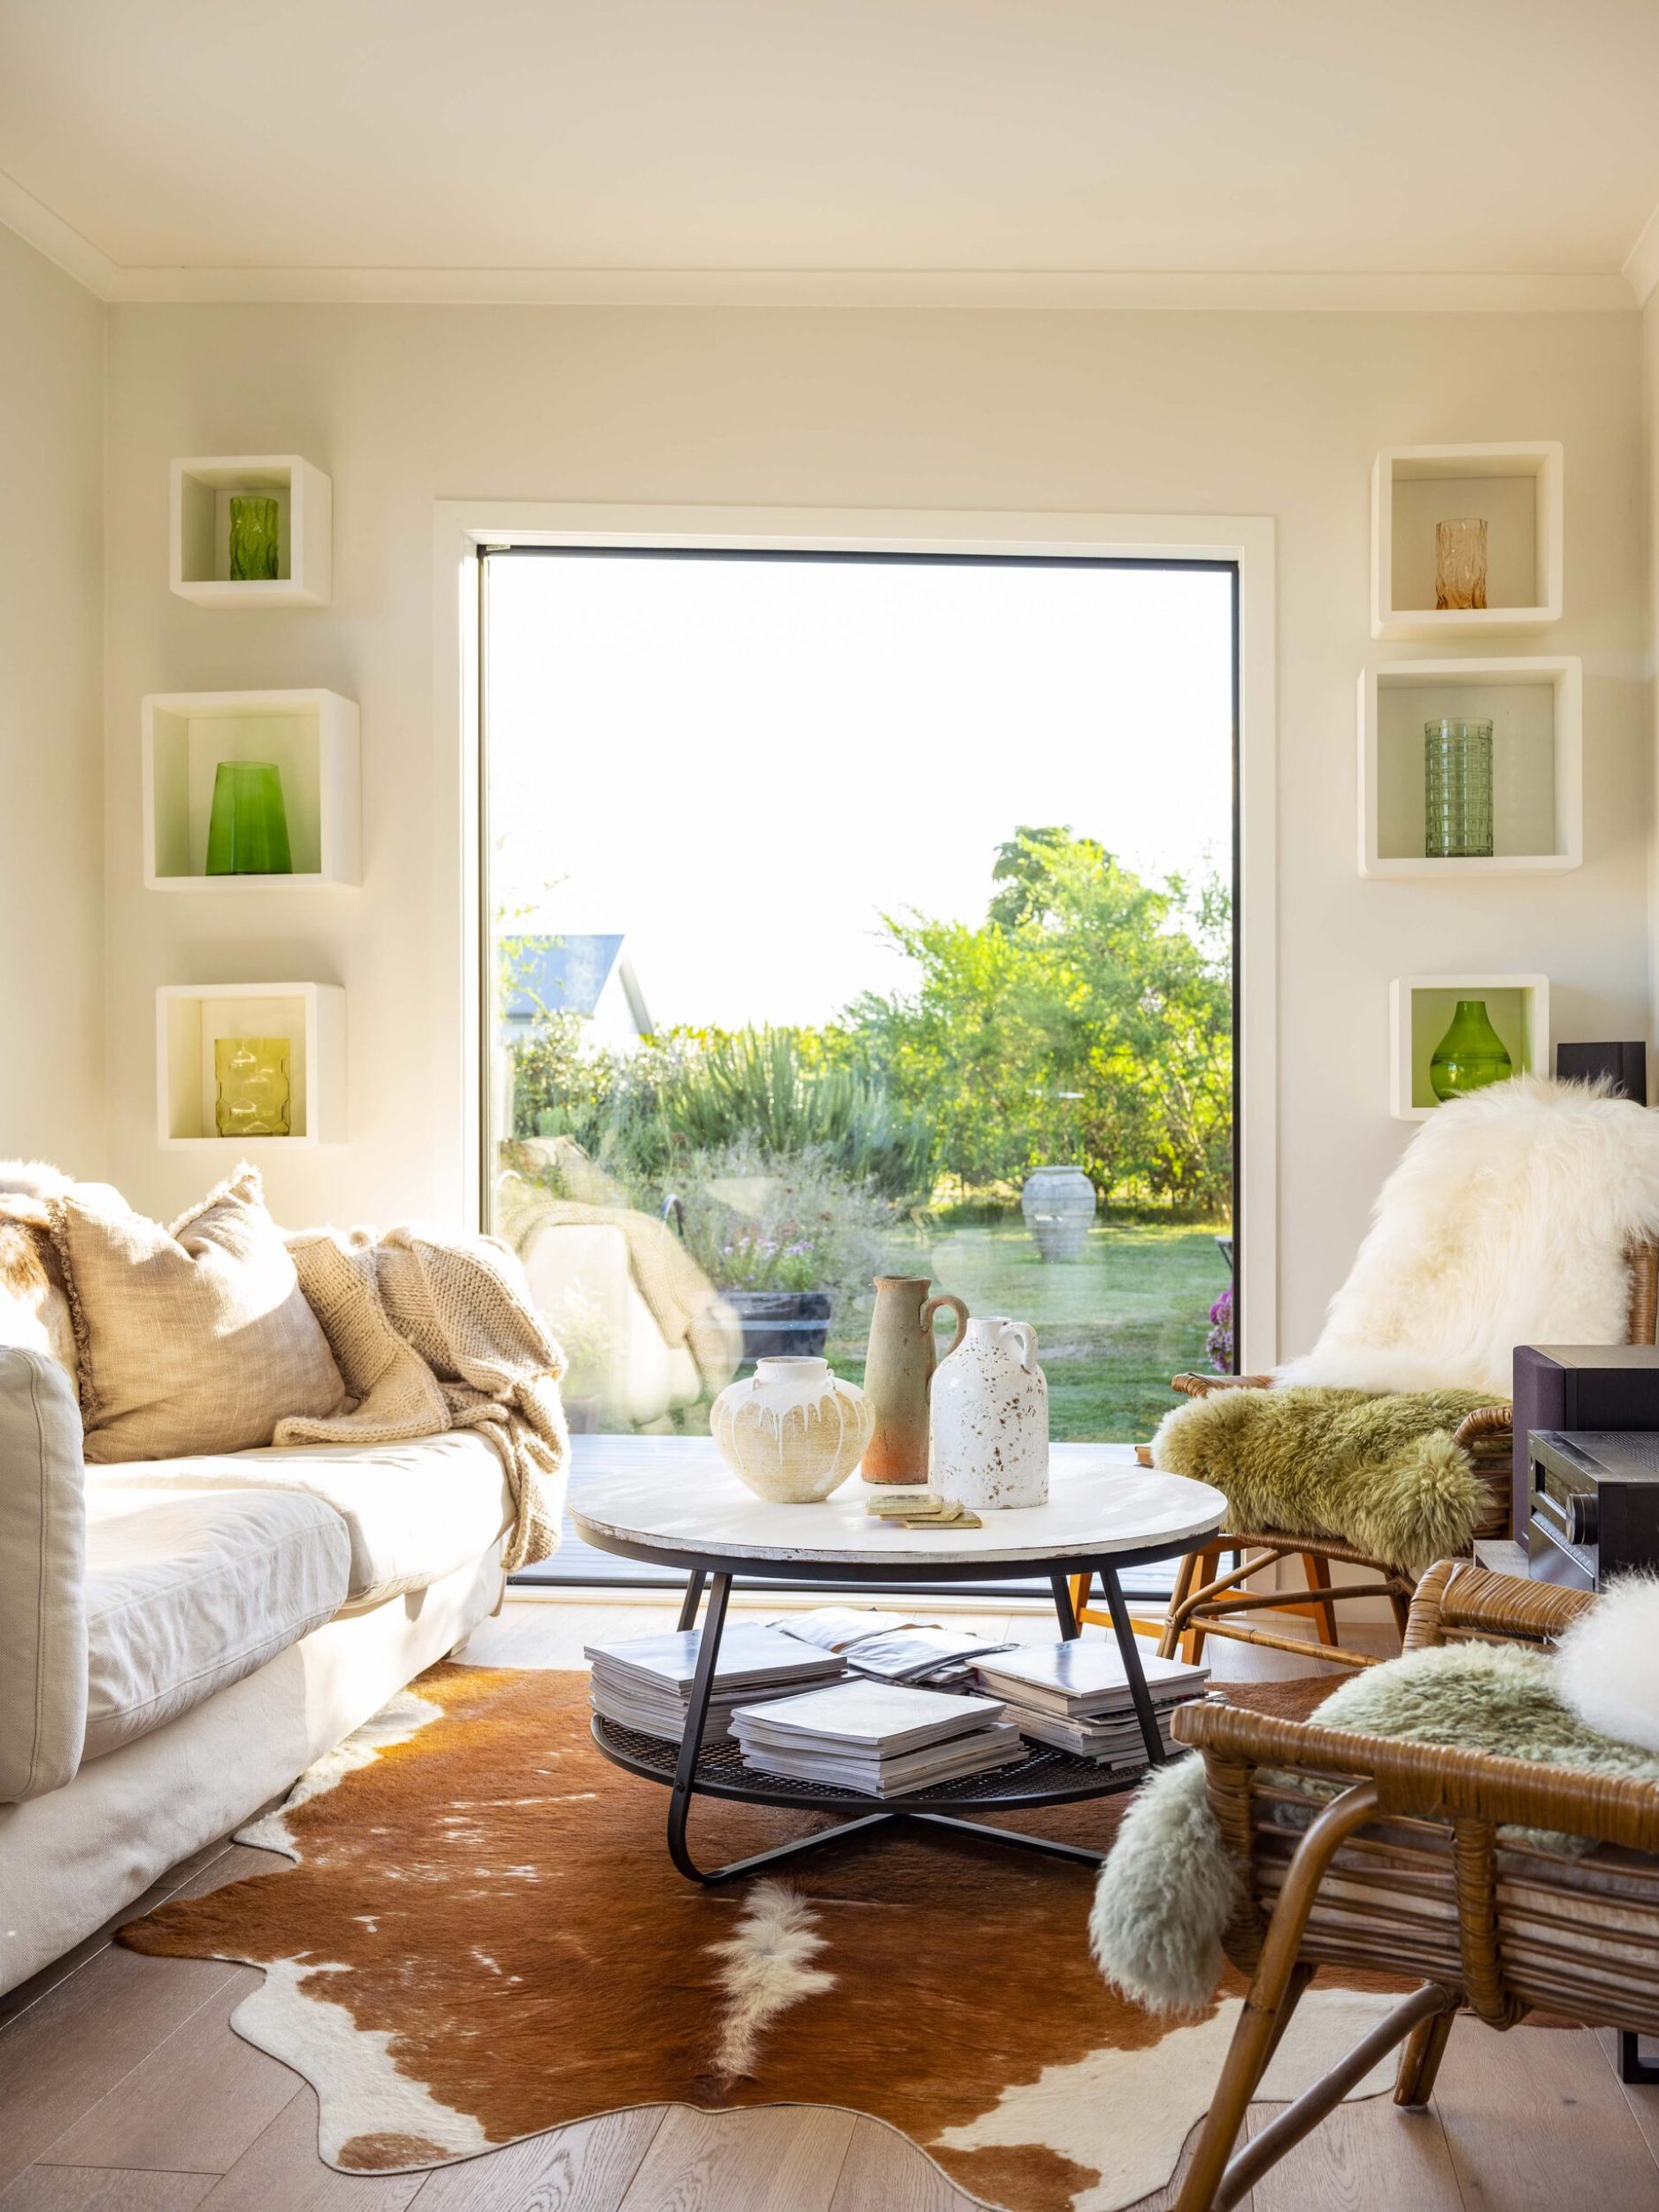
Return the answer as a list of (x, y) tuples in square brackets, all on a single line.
[(43, 1577)]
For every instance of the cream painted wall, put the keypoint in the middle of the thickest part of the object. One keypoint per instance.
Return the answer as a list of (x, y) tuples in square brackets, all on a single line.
[(51, 739), (1274, 414)]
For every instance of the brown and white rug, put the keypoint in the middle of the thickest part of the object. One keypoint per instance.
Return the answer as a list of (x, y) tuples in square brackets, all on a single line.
[(482, 1937)]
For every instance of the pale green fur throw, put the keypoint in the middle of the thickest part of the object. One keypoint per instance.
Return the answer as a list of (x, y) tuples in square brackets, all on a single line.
[(1165, 1894), (1378, 1472)]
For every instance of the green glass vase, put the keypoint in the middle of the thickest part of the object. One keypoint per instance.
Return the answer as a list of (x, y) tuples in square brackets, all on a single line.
[(247, 830), (1470, 1055), (1457, 790), (253, 537)]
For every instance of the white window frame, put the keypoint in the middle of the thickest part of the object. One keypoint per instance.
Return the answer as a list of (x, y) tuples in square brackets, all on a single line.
[(463, 526)]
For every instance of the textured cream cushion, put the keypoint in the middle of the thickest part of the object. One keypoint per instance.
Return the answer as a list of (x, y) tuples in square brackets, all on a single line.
[(43, 1620), (188, 1590), (412, 1512), (193, 1339)]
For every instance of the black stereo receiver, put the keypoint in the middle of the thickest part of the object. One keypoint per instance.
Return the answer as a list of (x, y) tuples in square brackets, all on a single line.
[(1595, 1511)]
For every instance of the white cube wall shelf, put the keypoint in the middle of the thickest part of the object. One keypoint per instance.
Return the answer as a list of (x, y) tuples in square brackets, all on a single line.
[(1420, 1012), (1536, 709), (1517, 489), (311, 736), (189, 1016), (201, 530)]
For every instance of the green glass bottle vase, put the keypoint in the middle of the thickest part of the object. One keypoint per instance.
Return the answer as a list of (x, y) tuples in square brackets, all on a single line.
[(1470, 1055), (254, 538), (247, 830)]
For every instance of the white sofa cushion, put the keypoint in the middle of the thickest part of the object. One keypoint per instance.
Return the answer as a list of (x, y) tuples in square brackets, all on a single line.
[(43, 1620), (413, 1512), (189, 1590)]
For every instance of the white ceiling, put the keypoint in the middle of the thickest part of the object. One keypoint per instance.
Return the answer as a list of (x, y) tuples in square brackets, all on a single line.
[(464, 147)]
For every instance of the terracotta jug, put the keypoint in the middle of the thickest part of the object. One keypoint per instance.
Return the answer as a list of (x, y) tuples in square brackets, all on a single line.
[(897, 1372)]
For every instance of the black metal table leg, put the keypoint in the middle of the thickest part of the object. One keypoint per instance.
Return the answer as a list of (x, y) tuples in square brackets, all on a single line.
[(1129, 1651), (1061, 1586), (1632, 2067), (691, 1746), (693, 1598)]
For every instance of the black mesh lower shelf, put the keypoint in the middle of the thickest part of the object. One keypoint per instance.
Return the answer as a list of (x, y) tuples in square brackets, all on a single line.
[(1041, 1777)]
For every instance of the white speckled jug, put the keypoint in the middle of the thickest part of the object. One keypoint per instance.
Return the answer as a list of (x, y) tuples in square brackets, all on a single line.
[(990, 1418)]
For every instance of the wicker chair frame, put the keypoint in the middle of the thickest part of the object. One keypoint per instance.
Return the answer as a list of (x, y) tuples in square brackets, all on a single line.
[(1406, 1866), (1208, 1602)]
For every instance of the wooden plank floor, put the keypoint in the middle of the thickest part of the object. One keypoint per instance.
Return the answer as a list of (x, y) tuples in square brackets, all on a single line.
[(123, 2089)]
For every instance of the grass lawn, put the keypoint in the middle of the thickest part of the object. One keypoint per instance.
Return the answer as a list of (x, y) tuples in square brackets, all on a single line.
[(1112, 1326)]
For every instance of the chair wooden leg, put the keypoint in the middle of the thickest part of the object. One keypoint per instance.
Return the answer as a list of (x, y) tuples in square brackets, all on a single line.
[(1185, 1574), (1279, 1981), (1420, 2061), (1403, 1613), (1192, 1641), (1319, 1574), (1080, 1585)]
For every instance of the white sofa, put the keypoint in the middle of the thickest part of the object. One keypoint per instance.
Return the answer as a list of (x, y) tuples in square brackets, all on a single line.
[(181, 1639)]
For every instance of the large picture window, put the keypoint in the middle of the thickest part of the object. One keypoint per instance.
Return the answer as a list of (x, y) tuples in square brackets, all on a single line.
[(857, 915)]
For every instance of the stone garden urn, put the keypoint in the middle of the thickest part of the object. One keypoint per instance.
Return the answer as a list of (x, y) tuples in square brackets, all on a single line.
[(1058, 1203)]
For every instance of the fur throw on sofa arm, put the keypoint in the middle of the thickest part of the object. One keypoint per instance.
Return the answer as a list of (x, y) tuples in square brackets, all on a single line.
[(1506, 1222)]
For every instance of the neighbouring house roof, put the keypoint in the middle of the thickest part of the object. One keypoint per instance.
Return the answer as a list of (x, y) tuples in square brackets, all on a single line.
[(567, 974)]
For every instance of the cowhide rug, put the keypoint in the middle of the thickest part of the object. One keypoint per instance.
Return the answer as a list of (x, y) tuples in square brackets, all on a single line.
[(482, 1937)]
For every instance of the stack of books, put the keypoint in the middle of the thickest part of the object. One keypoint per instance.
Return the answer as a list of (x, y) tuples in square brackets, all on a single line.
[(644, 1682), (889, 1649), (876, 1738), (1076, 1696)]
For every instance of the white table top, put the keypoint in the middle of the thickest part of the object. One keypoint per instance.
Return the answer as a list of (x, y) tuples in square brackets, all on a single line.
[(683, 1498)]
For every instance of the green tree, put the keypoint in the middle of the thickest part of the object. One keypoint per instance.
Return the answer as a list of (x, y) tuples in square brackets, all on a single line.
[(1088, 1018)]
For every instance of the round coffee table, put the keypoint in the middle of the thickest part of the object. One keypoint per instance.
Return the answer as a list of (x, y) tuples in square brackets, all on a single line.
[(1104, 1514)]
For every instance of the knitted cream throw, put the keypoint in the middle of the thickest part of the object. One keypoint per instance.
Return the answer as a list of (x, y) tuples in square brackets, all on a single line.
[(433, 1333)]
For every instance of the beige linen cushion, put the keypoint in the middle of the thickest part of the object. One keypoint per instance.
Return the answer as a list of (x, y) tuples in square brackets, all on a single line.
[(193, 1339)]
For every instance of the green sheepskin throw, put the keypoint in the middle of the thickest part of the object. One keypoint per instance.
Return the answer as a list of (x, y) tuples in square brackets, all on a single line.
[(1378, 1472), (1165, 1894)]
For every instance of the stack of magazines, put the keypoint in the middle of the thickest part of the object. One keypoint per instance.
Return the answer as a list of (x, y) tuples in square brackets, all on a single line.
[(644, 1682), (889, 1650), (1076, 1696), (877, 1739)]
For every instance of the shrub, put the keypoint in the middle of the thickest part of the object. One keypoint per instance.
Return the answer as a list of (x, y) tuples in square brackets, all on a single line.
[(755, 1220), (757, 1086)]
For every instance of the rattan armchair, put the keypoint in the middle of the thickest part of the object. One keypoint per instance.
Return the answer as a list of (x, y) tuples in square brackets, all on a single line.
[(1208, 1602), (1406, 1870)]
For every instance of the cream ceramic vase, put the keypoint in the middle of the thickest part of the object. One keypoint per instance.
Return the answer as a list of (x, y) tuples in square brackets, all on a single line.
[(792, 1431), (990, 1428)]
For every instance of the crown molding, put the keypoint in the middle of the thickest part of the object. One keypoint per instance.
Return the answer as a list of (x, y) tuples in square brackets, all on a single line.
[(1315, 291), (1642, 264), (1060, 289), (36, 224)]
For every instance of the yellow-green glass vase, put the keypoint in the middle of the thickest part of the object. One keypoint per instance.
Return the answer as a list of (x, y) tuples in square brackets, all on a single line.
[(1470, 1055), (254, 538), (254, 1091), (247, 830)]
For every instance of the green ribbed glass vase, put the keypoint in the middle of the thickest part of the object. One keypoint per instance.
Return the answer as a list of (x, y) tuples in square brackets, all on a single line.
[(1457, 790), (1470, 1055), (247, 830)]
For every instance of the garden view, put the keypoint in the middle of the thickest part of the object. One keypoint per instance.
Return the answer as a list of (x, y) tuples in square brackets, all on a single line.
[(1084, 1019)]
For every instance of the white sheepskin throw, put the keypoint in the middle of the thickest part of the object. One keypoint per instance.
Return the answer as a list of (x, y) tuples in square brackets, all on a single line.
[(1607, 1664), (1506, 1223)]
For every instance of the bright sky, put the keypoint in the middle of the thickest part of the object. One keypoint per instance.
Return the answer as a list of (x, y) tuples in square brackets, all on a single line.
[(742, 763)]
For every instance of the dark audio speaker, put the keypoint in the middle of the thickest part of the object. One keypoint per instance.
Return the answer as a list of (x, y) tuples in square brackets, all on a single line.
[(1625, 1063)]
